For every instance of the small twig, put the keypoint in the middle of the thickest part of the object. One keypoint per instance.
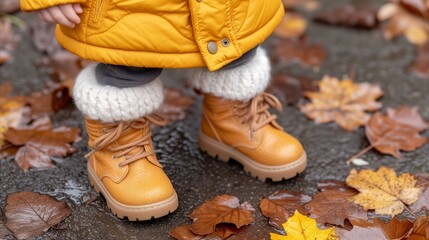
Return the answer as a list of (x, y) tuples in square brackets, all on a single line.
[(367, 149), (411, 212)]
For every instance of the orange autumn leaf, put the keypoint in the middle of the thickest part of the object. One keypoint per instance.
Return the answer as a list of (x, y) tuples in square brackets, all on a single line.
[(343, 102), (383, 191), (403, 20)]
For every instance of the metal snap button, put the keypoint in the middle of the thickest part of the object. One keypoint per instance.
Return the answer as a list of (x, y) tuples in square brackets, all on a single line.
[(225, 42), (212, 47)]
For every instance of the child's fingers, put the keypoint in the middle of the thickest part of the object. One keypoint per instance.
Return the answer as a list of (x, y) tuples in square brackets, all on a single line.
[(45, 16), (70, 13), (59, 17), (77, 8)]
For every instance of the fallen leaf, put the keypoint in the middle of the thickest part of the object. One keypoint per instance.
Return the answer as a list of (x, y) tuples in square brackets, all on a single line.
[(9, 40), (349, 16), (183, 232), (377, 229), (418, 7), (420, 229), (36, 146), (282, 204), (423, 202), (221, 209), (289, 90), (332, 184), (333, 207), (389, 136), (420, 67), (344, 102), (403, 22), (9, 6), (51, 99), (292, 26), (408, 116), (302, 52), (300, 227), (383, 191), (29, 214), (175, 105)]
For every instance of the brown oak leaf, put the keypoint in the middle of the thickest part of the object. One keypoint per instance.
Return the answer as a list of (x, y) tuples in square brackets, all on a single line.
[(289, 90), (344, 102), (334, 207), (37, 145), (332, 184), (349, 16), (175, 105), (282, 204), (183, 232), (383, 191), (404, 22), (389, 136), (221, 209), (300, 51), (377, 229), (29, 214)]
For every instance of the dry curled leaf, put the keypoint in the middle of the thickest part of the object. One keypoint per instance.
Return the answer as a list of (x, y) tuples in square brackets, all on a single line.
[(383, 191), (389, 136), (420, 229), (282, 204), (221, 209), (300, 227), (292, 26), (344, 102), (403, 22), (289, 90), (349, 16), (377, 229), (29, 214), (300, 51), (37, 145), (333, 207)]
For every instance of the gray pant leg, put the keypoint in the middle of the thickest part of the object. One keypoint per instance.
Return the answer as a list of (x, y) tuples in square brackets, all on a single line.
[(124, 76)]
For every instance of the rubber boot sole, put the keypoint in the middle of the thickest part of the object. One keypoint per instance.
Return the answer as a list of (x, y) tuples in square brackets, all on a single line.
[(262, 172), (132, 212)]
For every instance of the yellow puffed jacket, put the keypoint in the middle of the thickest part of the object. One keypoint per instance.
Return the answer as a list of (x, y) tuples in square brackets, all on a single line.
[(166, 33)]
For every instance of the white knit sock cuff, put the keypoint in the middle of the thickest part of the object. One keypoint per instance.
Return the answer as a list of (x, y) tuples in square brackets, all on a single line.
[(111, 104), (240, 83)]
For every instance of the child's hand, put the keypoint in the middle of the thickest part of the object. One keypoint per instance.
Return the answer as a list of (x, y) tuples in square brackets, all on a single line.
[(66, 14)]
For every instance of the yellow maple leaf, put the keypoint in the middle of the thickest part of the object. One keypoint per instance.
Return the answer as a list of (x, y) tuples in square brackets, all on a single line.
[(300, 227), (383, 191), (344, 102)]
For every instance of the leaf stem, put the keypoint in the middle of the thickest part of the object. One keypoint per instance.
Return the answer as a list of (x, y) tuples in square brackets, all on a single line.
[(367, 149)]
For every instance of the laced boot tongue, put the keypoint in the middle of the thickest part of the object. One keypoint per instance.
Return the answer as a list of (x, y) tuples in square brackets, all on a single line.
[(131, 140), (256, 112)]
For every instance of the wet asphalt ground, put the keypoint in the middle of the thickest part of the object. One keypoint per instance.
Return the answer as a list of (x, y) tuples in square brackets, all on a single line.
[(198, 177)]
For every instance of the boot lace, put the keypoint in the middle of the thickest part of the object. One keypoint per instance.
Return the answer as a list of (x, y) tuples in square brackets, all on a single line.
[(114, 132), (256, 112)]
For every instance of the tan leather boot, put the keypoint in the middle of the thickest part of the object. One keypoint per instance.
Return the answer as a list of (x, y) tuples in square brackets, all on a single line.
[(124, 168), (249, 133)]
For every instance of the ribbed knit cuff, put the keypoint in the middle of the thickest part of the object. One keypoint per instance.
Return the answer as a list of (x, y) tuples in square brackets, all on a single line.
[(240, 83), (111, 104)]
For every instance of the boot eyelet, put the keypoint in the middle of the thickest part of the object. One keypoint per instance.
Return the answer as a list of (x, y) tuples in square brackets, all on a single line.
[(114, 156), (120, 165)]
